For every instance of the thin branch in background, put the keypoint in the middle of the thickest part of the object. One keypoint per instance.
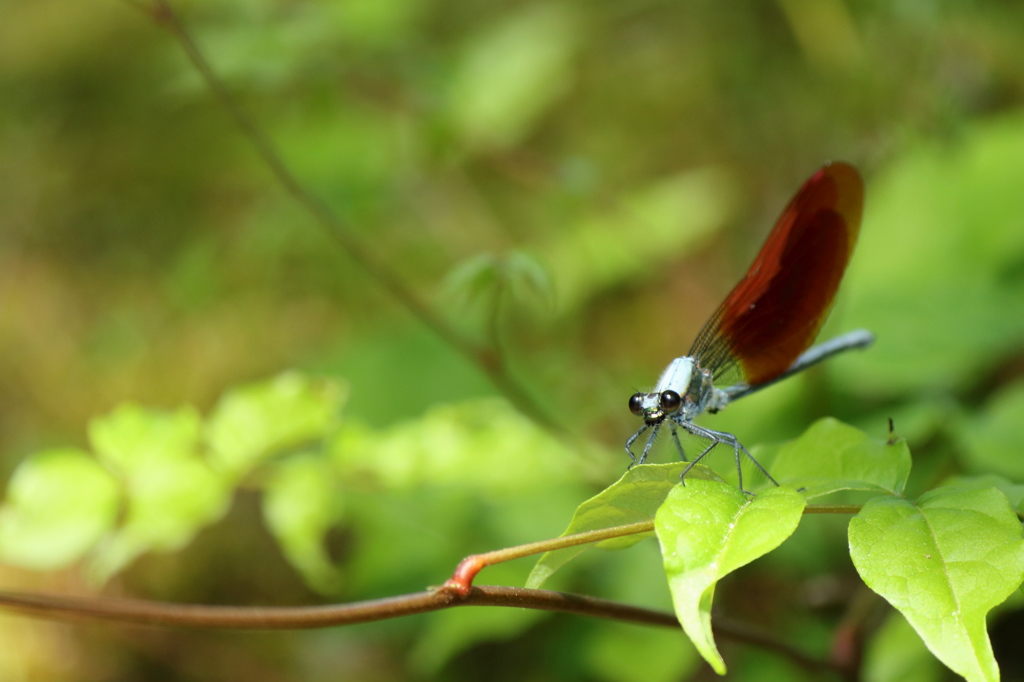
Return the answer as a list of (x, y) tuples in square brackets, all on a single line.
[(458, 591), (863, 611), (487, 359)]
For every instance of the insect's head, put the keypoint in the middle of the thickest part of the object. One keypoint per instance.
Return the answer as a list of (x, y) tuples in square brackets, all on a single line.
[(655, 407)]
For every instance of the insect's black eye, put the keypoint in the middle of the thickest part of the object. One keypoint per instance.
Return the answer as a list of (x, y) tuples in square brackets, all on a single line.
[(670, 401), (636, 404)]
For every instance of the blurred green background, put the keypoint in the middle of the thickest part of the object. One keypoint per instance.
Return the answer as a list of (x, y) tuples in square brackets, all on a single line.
[(621, 162)]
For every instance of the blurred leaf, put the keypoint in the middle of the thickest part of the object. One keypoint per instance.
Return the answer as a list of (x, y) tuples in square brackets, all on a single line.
[(944, 563), (826, 33), (252, 423), (510, 73), (427, 369), (472, 278), (918, 419), (172, 492), (268, 46), (342, 149), (462, 478), (635, 497), (375, 23), (1014, 491), (708, 529), (301, 502), (132, 438), (627, 653), (832, 456), (484, 444), (59, 504), (673, 215), (491, 283), (169, 501), (759, 665), (993, 440), (528, 278), (937, 272), (895, 653)]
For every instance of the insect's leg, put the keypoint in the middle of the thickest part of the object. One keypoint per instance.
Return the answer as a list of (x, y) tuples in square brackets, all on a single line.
[(739, 465), (629, 444), (697, 431), (737, 446), (756, 463), (675, 439), (650, 442)]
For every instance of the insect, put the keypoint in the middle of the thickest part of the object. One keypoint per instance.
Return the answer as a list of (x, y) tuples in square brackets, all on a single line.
[(763, 331)]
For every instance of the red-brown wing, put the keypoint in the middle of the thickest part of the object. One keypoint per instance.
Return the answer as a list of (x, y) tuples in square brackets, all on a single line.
[(776, 310)]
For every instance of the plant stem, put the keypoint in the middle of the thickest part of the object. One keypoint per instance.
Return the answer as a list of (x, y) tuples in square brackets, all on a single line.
[(487, 359), (832, 509), (139, 612), (462, 580), (468, 568)]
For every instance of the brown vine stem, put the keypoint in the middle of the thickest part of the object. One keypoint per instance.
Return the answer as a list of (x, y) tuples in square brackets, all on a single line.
[(141, 612), (458, 591), (487, 359), (138, 612), (832, 509)]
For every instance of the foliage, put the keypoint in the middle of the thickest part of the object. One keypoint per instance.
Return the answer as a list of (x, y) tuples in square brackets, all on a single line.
[(944, 561), (576, 185), (708, 530)]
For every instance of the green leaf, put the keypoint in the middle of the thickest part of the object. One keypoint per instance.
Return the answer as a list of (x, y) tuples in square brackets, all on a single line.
[(707, 529), (133, 438), (510, 73), (896, 654), (171, 490), (1014, 491), (675, 214), (59, 504), (257, 421), (832, 456), (371, 23), (633, 498), (365, 152), (617, 652), (528, 278), (959, 300), (484, 444), (169, 502), (492, 283), (944, 563), (994, 440), (301, 503), (471, 278)]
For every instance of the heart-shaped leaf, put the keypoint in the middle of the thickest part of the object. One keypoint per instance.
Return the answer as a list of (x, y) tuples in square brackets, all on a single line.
[(708, 529), (832, 456), (944, 563), (633, 498)]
